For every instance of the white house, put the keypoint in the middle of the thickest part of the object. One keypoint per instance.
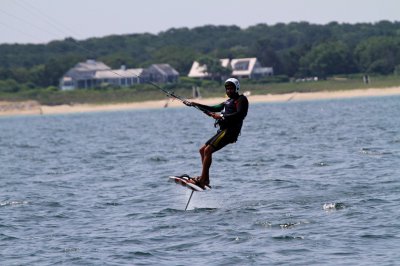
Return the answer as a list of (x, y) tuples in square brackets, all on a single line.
[(241, 68)]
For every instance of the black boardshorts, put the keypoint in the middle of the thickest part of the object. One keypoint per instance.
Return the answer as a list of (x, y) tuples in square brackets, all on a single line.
[(221, 139)]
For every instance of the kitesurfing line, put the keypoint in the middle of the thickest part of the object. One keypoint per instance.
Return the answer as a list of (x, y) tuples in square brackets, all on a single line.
[(168, 93), (174, 96), (59, 28), (51, 20)]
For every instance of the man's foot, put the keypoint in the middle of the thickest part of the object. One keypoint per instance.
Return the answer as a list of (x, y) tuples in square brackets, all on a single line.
[(197, 181), (185, 175)]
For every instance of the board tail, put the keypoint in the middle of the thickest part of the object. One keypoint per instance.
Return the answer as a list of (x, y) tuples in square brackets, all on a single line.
[(183, 180)]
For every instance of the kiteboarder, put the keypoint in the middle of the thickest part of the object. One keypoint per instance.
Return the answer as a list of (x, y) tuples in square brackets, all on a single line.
[(230, 120)]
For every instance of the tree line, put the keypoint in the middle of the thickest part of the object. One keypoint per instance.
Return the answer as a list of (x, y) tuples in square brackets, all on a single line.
[(298, 49)]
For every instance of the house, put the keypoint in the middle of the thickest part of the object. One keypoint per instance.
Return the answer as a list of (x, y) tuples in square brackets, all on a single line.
[(241, 68), (92, 74), (160, 73), (119, 77), (198, 71), (249, 68), (82, 75)]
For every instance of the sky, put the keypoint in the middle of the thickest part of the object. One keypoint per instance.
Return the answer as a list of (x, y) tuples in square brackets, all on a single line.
[(42, 21)]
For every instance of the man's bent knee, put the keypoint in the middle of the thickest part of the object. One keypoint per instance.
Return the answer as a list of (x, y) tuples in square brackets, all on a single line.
[(202, 149), (208, 150)]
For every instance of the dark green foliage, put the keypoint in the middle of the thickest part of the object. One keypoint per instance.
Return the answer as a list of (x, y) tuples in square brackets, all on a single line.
[(378, 54), (326, 59), (297, 49)]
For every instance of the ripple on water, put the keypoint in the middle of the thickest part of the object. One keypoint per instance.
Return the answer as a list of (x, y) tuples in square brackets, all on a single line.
[(13, 203), (307, 183)]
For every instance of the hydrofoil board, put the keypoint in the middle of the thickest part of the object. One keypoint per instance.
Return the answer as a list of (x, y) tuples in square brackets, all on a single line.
[(183, 180)]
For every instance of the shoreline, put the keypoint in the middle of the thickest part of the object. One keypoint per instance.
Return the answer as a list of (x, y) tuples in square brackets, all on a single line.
[(34, 108)]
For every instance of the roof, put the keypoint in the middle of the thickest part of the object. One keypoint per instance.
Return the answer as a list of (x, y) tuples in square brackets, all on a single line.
[(243, 66), (198, 71), (119, 73), (225, 62), (79, 75), (165, 69), (86, 70), (90, 65)]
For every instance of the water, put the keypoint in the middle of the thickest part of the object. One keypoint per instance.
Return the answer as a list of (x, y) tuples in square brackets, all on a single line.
[(308, 183)]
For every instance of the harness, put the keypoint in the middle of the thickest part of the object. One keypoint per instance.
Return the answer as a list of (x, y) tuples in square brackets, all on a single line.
[(230, 106)]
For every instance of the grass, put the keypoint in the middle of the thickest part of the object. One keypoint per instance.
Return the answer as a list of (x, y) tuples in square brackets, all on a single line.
[(331, 84), (209, 89)]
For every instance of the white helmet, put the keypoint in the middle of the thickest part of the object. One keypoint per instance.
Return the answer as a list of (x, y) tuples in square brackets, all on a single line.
[(234, 82)]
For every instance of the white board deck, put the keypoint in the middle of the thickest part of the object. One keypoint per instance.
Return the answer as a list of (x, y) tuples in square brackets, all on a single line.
[(184, 181)]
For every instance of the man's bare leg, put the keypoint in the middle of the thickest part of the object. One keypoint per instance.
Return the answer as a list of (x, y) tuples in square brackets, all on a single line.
[(206, 154)]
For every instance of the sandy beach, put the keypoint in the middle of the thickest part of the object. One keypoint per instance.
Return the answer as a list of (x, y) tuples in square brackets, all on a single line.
[(34, 108)]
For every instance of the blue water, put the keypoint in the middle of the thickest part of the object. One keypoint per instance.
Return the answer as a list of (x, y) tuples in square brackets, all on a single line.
[(308, 183)]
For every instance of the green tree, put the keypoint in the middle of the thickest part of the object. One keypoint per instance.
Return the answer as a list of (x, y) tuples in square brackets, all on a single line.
[(9, 85), (181, 58), (290, 60), (327, 59), (53, 70), (378, 55), (267, 55), (37, 75), (292, 49)]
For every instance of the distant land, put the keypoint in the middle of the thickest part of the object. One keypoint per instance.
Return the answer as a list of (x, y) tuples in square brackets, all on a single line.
[(34, 108), (295, 51)]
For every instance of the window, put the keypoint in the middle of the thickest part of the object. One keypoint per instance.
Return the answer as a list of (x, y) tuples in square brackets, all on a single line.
[(81, 84), (241, 65)]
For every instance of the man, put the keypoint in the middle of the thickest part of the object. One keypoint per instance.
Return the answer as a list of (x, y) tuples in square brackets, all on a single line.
[(230, 121)]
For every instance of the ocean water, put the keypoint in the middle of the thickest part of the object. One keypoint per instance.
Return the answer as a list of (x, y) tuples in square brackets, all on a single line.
[(308, 183)]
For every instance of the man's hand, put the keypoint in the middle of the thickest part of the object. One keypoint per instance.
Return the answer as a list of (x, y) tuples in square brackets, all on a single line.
[(187, 103), (215, 116)]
